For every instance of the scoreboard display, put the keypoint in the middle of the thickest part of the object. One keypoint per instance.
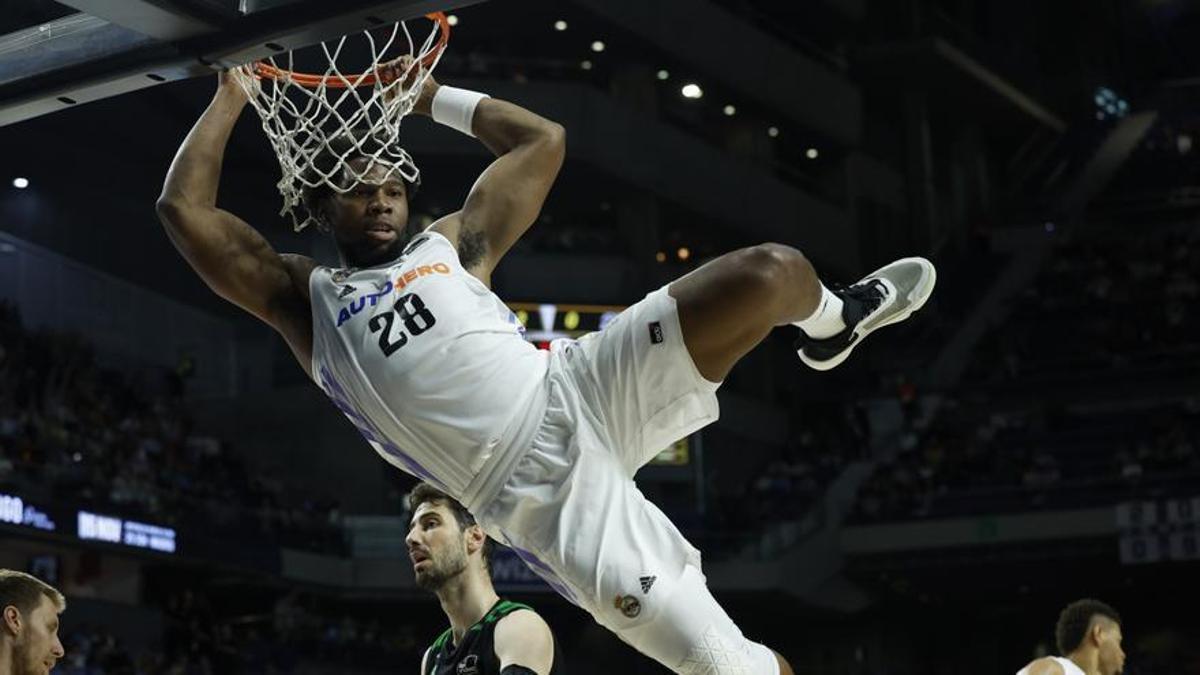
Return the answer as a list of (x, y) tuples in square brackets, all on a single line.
[(545, 322), (678, 454), (1159, 531)]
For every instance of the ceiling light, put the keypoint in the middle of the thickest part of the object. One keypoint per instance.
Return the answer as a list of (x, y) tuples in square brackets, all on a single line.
[(20, 182), (597, 46), (692, 90), (663, 74), (730, 110), (560, 25), (773, 131), (452, 19)]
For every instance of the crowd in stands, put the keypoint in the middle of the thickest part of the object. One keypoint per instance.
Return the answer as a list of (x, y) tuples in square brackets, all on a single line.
[(791, 483), (301, 634), (1114, 323), (80, 433), (769, 507), (976, 460), (1101, 307)]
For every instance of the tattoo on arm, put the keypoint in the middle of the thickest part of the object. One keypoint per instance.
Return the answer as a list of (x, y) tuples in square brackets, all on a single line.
[(472, 247)]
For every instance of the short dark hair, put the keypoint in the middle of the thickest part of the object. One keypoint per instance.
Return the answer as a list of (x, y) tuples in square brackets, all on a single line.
[(1075, 620), (426, 493), (25, 591), (352, 143)]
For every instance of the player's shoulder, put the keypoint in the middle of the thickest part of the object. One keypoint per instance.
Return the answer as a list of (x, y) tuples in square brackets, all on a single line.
[(449, 226), (523, 637), (295, 262), (521, 622), (1046, 665), (299, 268)]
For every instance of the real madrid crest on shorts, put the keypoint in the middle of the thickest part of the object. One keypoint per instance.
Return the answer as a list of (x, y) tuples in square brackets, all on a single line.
[(629, 605)]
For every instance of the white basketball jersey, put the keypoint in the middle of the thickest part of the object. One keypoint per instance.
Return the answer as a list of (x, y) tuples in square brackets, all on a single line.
[(1068, 666), (429, 365)]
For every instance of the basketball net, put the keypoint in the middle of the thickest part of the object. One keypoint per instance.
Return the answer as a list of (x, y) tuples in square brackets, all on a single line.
[(317, 124)]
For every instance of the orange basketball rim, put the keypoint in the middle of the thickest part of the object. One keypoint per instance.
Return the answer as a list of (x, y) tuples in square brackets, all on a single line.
[(380, 74)]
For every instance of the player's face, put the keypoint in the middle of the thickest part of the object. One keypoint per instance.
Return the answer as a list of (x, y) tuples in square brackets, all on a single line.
[(369, 220), (1112, 655), (38, 648), (436, 546)]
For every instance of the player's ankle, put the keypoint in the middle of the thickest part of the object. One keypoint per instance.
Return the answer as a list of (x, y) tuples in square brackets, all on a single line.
[(826, 321)]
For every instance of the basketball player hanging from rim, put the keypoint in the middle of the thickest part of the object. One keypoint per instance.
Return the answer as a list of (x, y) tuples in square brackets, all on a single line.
[(408, 341)]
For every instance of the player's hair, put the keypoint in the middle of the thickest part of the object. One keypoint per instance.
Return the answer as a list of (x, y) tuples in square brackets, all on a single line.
[(1075, 620), (426, 493), (25, 591), (328, 159)]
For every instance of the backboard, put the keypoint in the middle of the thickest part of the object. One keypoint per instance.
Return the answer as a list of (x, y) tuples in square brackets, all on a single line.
[(55, 55)]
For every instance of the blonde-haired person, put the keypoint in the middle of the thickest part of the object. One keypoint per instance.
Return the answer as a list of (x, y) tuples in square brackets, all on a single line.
[(29, 643)]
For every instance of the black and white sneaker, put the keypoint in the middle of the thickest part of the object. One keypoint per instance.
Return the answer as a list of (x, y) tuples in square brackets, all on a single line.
[(886, 296)]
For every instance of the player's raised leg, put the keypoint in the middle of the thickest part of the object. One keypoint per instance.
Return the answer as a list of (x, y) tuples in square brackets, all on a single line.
[(728, 305)]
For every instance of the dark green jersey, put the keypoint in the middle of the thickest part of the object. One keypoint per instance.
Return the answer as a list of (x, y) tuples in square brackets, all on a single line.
[(476, 655)]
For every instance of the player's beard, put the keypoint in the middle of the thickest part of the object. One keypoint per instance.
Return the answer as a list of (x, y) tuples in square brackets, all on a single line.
[(442, 568), (25, 658), (363, 258)]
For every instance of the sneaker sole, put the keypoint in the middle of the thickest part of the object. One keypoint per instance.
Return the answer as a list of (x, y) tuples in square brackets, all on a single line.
[(922, 293)]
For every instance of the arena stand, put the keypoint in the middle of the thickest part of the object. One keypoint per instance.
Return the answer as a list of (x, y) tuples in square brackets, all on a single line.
[(1066, 402), (73, 431)]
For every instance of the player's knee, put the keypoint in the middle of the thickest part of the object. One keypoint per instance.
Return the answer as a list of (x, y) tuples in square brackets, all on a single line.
[(776, 268)]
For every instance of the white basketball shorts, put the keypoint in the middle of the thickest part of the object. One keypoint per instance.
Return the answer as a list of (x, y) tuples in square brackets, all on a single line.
[(571, 509)]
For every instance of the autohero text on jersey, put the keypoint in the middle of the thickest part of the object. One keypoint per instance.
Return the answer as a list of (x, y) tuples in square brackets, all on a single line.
[(357, 304)]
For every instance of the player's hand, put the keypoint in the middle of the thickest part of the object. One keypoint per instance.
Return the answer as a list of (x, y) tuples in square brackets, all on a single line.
[(238, 83), (406, 67)]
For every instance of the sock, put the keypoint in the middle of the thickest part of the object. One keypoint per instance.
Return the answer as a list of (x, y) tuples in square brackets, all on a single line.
[(827, 320)]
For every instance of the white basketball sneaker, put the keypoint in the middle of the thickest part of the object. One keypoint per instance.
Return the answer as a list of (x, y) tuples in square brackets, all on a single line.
[(886, 296)]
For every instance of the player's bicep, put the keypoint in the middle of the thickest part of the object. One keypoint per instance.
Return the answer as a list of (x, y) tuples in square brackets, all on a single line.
[(523, 639), (231, 257), (509, 194)]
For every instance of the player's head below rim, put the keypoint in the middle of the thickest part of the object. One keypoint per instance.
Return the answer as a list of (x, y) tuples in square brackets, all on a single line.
[(444, 542), (367, 216), (1088, 633), (29, 609)]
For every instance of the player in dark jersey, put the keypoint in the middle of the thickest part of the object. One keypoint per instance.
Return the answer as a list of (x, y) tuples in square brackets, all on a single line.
[(487, 635)]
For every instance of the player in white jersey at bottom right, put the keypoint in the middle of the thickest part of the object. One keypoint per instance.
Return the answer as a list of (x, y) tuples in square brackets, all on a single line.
[(1088, 634), (409, 342)]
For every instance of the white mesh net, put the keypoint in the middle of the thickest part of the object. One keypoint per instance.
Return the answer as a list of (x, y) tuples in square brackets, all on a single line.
[(317, 124)]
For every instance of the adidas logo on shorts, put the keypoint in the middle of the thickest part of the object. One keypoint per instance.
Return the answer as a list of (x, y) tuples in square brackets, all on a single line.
[(646, 583)]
